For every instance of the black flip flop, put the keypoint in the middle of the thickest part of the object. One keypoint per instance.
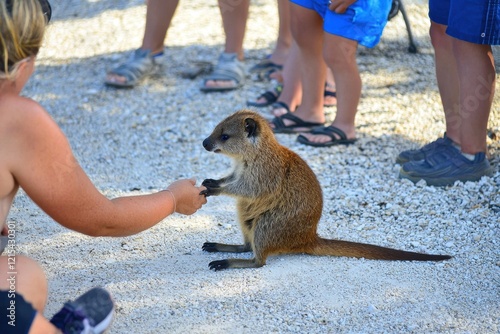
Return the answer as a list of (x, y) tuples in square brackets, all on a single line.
[(265, 65), (328, 93), (279, 105), (270, 97), (329, 131), (298, 123)]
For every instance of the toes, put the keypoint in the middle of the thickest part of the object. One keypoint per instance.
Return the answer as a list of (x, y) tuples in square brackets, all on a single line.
[(316, 138), (115, 78), (279, 112), (219, 83), (218, 265)]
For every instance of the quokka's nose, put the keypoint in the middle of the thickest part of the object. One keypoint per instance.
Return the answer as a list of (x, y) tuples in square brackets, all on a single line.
[(207, 144)]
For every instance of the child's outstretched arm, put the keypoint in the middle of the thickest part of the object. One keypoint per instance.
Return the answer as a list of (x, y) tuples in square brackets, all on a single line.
[(44, 166)]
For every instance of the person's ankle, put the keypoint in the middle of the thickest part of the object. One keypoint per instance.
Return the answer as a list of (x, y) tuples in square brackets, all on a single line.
[(154, 52), (469, 157), (468, 150), (279, 56), (349, 129), (239, 54)]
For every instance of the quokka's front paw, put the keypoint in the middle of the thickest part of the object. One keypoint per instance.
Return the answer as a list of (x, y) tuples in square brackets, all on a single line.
[(210, 247), (211, 183), (213, 187)]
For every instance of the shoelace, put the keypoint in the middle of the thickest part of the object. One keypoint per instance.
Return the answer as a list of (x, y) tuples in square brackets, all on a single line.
[(69, 319)]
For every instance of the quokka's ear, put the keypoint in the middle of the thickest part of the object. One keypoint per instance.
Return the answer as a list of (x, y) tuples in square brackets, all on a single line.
[(251, 127)]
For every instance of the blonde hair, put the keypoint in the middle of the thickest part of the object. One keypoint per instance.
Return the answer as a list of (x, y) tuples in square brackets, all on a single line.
[(22, 25)]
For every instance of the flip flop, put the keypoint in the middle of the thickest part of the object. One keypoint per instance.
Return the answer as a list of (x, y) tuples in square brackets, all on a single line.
[(329, 131), (265, 68), (298, 126), (279, 105), (270, 97), (270, 115), (327, 94), (265, 65)]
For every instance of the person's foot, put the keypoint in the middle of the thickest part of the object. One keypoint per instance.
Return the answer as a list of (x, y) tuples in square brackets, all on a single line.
[(290, 118), (291, 123), (229, 74), (271, 67), (220, 84), (446, 167), (141, 64), (278, 57), (342, 133), (267, 98), (276, 75), (92, 312), (280, 108)]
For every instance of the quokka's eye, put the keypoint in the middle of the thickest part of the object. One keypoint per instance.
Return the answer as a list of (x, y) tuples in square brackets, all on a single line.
[(224, 137)]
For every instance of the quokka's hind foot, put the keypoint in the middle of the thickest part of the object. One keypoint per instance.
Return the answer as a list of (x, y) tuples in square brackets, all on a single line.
[(235, 263)]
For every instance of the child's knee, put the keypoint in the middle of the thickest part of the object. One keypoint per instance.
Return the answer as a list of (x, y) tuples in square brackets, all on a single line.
[(26, 277), (341, 56)]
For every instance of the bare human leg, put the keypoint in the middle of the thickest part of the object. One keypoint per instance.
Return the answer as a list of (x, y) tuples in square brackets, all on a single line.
[(307, 23), (476, 73), (234, 19), (159, 15), (340, 56), (447, 79)]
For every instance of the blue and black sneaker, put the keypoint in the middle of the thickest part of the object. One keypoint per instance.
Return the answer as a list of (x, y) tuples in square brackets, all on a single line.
[(426, 150), (91, 313), (446, 167)]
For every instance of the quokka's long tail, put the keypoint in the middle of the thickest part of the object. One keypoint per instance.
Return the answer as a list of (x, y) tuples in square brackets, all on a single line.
[(359, 250)]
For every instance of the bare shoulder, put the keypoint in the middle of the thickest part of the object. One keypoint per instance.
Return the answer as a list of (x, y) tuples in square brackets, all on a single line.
[(24, 122), (19, 114), (10, 103), (28, 137)]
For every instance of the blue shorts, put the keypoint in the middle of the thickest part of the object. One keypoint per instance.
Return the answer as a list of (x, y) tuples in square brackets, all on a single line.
[(474, 21), (364, 21), (16, 314)]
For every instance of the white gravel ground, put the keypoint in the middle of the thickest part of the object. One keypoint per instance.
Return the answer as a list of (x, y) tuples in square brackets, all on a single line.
[(140, 140)]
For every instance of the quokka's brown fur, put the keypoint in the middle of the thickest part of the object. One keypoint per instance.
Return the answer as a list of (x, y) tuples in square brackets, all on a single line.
[(279, 199)]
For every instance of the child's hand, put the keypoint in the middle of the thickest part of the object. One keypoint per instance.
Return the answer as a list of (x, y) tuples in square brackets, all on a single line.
[(187, 196), (340, 6)]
